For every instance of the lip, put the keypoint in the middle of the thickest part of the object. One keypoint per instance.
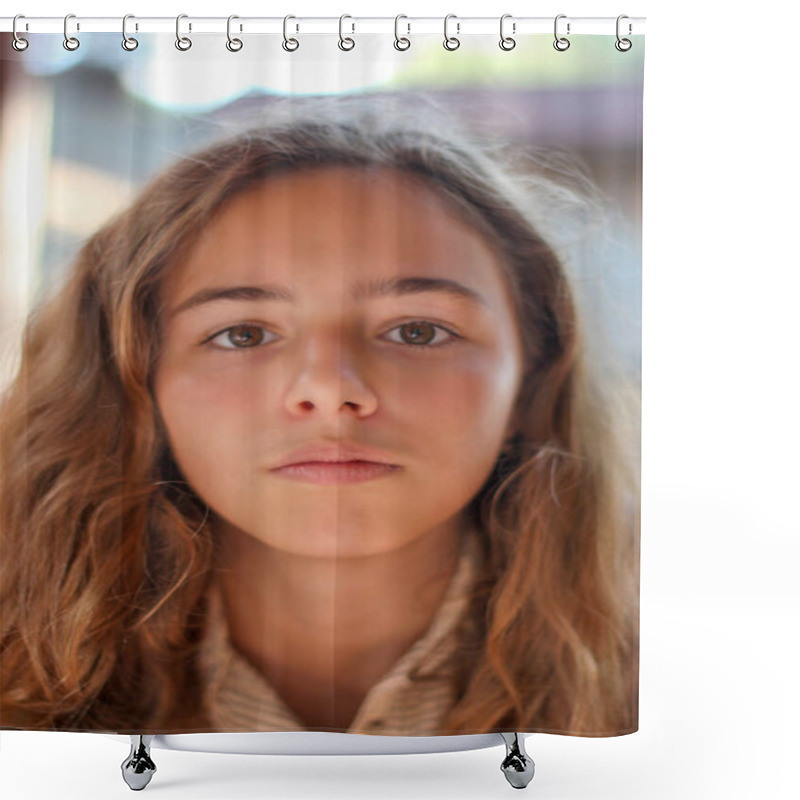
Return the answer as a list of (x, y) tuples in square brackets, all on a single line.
[(329, 472), (333, 453)]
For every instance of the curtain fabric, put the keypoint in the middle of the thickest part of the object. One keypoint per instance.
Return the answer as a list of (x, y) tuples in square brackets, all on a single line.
[(320, 385)]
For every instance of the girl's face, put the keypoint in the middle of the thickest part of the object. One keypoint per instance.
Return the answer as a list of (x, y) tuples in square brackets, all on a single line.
[(337, 307)]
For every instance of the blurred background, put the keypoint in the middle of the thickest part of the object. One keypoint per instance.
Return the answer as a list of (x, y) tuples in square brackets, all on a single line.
[(82, 130)]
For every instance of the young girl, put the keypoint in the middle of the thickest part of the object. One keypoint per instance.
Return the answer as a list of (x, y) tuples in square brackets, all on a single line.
[(308, 440)]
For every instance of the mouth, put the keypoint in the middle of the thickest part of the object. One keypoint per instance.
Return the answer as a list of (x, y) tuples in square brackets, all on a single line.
[(331, 472)]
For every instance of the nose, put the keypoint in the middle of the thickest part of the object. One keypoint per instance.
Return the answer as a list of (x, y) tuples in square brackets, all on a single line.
[(329, 378)]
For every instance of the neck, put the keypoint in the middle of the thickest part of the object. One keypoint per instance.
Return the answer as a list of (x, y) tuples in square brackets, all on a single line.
[(336, 624)]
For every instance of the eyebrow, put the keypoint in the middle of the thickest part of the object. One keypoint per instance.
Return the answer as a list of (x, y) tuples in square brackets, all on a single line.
[(383, 287)]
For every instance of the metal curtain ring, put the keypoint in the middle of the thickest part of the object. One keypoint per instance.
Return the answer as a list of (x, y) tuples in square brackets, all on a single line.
[(401, 43), (345, 42), (560, 43), (18, 43), (234, 45), (506, 42), (289, 45), (451, 42), (182, 42), (623, 45), (128, 42), (70, 42)]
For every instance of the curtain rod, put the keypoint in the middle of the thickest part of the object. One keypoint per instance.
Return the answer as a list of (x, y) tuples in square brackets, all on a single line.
[(461, 26)]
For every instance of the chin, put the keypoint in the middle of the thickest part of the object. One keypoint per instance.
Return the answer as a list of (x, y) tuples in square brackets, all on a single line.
[(333, 538)]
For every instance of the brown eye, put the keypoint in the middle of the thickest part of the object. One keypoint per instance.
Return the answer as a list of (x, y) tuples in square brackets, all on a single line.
[(424, 334), (418, 332), (240, 337), (246, 335)]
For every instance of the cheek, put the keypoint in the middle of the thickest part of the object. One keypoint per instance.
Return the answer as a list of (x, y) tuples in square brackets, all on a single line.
[(210, 420), (219, 396), (463, 408)]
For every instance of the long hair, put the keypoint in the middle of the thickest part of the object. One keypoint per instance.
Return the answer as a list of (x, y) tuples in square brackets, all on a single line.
[(107, 552)]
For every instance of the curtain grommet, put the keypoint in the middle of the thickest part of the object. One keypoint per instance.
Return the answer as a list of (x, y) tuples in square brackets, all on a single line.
[(128, 42), (234, 45), (346, 43), (451, 42), (18, 43), (183, 43), (561, 43), (623, 45), (289, 44), (401, 42), (507, 42), (70, 42)]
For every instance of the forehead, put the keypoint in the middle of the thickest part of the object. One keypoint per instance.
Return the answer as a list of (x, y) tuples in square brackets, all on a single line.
[(314, 227)]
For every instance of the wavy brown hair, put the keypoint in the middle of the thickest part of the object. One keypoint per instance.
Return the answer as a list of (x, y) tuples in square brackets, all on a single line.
[(107, 552)]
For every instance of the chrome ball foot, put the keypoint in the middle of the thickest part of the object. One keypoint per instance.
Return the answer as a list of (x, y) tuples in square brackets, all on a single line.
[(517, 766), (138, 768)]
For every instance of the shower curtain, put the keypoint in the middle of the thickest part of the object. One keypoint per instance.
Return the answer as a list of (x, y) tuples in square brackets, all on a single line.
[(320, 377)]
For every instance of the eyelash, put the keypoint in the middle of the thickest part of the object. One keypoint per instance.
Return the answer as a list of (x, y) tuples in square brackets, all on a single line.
[(454, 337)]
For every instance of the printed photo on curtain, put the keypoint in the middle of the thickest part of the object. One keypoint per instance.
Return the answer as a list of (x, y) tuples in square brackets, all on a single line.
[(320, 384)]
